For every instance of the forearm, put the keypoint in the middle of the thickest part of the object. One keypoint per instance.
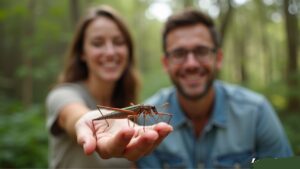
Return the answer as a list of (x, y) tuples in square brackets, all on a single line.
[(69, 115)]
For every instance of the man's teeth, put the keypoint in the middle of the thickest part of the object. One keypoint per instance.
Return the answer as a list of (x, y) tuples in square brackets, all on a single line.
[(192, 77)]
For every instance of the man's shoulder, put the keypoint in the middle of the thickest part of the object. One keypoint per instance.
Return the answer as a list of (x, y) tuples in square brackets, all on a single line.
[(240, 94), (161, 96)]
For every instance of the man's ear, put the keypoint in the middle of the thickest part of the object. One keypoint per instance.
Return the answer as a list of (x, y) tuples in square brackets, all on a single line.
[(219, 58), (165, 63)]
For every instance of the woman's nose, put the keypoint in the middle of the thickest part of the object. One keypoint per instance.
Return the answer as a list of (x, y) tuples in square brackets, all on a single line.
[(110, 48)]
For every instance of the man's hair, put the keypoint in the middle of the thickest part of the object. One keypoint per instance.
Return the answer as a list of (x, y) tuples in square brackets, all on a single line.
[(189, 17)]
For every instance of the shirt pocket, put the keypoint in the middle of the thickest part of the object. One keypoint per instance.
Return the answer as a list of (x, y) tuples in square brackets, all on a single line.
[(234, 160), (170, 161)]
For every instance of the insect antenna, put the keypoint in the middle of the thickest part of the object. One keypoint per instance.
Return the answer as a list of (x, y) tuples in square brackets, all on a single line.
[(165, 105)]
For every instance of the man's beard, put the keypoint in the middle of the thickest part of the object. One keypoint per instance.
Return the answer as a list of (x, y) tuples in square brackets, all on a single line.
[(199, 96)]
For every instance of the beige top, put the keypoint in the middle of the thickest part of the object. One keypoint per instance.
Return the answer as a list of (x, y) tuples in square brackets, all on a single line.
[(64, 151)]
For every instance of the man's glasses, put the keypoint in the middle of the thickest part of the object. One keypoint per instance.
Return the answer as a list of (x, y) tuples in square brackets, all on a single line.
[(201, 53)]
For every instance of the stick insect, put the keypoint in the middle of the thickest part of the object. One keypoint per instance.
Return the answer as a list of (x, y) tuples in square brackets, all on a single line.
[(131, 112)]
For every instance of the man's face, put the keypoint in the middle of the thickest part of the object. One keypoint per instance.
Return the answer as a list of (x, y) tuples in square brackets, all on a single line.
[(192, 60)]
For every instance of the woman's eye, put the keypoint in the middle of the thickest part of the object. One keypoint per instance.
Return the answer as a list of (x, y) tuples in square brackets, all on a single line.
[(119, 42), (97, 43)]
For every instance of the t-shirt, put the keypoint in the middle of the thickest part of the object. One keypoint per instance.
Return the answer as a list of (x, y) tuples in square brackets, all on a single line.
[(65, 152)]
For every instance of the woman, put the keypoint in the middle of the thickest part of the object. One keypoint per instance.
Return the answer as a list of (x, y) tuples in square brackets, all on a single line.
[(99, 70)]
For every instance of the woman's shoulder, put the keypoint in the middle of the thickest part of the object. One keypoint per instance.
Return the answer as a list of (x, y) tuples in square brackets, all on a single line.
[(76, 87), (64, 90)]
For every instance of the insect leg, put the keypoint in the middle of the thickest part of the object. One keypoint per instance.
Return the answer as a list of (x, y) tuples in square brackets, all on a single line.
[(166, 114), (144, 116), (101, 116), (133, 117)]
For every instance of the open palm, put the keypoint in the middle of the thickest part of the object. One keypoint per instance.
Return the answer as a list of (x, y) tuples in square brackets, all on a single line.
[(118, 138)]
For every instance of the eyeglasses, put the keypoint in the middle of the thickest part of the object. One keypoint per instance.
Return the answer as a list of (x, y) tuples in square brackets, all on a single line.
[(201, 53)]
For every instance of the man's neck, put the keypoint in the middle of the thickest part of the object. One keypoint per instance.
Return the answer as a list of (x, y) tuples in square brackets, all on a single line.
[(198, 111)]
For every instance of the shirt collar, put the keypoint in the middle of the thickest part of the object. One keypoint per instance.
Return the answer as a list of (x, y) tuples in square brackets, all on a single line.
[(218, 117), (179, 117), (219, 110)]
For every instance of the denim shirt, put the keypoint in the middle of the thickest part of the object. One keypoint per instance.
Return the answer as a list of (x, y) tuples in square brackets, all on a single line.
[(243, 126)]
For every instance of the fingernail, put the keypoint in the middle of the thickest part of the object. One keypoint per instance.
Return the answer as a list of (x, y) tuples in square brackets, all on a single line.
[(163, 132)]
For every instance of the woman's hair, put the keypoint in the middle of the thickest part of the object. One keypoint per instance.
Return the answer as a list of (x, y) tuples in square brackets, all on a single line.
[(75, 68), (189, 17)]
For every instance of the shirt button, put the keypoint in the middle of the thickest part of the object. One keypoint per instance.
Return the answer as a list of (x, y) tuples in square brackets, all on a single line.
[(236, 166)]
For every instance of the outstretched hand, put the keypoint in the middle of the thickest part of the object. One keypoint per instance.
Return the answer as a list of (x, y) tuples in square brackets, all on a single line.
[(122, 138)]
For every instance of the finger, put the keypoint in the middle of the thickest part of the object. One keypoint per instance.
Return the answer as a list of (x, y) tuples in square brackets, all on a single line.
[(85, 138), (140, 145), (163, 131), (114, 146)]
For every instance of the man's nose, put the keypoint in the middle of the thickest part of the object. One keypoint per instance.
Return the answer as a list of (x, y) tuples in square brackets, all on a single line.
[(191, 59)]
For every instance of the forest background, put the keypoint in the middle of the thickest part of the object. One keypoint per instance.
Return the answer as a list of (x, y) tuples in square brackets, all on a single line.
[(260, 44)]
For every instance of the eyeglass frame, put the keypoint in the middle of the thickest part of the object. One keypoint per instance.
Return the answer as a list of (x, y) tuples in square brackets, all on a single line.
[(185, 52)]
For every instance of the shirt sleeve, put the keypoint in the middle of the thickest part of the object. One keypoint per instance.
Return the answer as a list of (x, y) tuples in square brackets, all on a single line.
[(271, 139), (55, 101)]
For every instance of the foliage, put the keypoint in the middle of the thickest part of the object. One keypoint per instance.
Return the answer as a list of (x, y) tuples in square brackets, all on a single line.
[(152, 82), (278, 93), (34, 39), (24, 138), (292, 128)]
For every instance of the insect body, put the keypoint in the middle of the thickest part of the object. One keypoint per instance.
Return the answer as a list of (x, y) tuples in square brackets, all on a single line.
[(131, 112)]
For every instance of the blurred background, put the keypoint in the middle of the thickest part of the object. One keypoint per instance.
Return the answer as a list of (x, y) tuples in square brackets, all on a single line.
[(260, 42)]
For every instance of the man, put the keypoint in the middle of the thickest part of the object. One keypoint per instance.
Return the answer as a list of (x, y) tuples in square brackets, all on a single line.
[(216, 125)]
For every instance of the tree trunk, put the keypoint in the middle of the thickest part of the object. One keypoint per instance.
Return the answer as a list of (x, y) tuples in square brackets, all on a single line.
[(265, 46), (225, 20), (292, 34), (241, 58), (74, 12), (27, 84)]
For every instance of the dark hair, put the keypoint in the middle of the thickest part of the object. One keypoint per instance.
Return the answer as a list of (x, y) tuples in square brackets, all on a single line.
[(189, 17), (75, 68)]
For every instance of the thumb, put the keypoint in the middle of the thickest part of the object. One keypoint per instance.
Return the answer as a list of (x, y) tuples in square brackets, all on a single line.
[(85, 138)]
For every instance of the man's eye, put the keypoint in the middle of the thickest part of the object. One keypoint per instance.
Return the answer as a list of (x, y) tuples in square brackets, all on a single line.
[(201, 51), (179, 54)]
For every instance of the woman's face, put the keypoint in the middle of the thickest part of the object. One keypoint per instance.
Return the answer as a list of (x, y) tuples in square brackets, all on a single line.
[(105, 50)]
